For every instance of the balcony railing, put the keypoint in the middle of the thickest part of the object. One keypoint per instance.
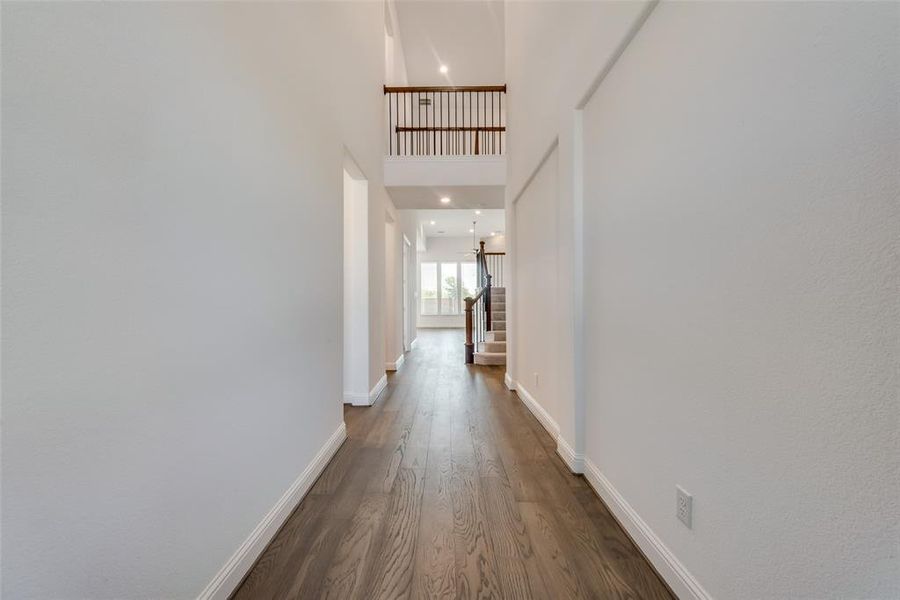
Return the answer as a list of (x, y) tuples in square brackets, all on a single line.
[(445, 121)]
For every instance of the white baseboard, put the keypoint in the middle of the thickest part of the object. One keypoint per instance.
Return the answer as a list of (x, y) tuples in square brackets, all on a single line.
[(376, 391), (510, 384), (573, 460), (367, 399), (685, 586), (538, 411), (412, 344), (395, 366), (357, 399), (233, 572)]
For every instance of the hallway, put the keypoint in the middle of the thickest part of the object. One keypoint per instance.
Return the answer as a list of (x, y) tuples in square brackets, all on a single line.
[(447, 487)]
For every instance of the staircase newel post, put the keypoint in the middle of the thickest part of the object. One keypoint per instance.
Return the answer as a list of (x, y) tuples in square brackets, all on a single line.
[(470, 347)]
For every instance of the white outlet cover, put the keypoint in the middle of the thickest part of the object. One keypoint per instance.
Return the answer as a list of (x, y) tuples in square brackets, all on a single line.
[(684, 506)]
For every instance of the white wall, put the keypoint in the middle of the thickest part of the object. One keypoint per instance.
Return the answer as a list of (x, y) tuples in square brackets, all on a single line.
[(537, 314), (741, 292), (554, 53), (171, 277), (393, 314), (356, 290), (394, 56), (439, 249)]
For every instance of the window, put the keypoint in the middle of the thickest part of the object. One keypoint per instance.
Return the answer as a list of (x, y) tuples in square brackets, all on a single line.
[(429, 289), (445, 285)]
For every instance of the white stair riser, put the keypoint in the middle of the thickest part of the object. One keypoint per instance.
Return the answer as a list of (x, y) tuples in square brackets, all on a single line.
[(492, 347), (490, 358)]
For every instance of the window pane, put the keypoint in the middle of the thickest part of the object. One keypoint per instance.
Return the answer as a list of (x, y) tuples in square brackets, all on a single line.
[(449, 289), (469, 276), (429, 290)]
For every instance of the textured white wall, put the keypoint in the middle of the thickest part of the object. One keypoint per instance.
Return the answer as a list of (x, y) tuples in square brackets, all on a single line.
[(171, 277), (742, 289), (356, 289), (538, 314), (554, 52)]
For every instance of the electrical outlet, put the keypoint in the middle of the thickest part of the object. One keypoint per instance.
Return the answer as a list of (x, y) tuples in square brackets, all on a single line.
[(537, 382), (684, 506)]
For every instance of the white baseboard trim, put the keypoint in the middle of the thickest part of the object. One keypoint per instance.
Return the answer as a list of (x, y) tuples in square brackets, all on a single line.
[(395, 366), (356, 399), (538, 411), (376, 391), (685, 585), (573, 460), (510, 384), (367, 399), (233, 572), (412, 344)]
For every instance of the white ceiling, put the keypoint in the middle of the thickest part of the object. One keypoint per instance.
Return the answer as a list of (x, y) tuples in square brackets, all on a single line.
[(467, 36), (456, 223), (461, 196)]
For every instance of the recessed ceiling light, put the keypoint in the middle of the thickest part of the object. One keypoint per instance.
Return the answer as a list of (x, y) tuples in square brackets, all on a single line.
[(471, 231), (477, 212), (444, 69), (493, 233), (432, 222), (445, 200)]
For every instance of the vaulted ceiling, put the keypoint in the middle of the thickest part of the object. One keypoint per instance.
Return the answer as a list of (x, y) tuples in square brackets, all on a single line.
[(466, 36)]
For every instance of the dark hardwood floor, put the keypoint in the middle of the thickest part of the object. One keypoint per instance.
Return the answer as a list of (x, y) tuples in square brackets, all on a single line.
[(449, 488)]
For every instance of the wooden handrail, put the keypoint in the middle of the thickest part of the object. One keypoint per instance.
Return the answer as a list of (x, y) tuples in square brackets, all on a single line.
[(444, 88), (488, 128), (440, 120)]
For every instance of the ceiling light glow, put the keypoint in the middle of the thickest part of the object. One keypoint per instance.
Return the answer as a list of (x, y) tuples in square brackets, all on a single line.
[(477, 212), (445, 200), (444, 69), (432, 222)]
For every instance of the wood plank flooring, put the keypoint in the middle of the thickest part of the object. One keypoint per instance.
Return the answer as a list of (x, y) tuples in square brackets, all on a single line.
[(449, 488)]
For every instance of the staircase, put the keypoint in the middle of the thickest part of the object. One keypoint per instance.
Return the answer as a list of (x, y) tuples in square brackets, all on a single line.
[(486, 312), (492, 351)]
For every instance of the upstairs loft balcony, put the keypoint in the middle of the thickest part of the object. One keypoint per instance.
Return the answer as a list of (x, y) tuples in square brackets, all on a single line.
[(445, 135)]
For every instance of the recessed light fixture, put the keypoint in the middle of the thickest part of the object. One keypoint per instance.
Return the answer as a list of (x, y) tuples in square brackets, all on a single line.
[(445, 200), (471, 231), (477, 212), (432, 222), (444, 69), (493, 233)]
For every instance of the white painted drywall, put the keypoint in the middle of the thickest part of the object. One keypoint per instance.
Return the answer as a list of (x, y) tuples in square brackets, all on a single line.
[(171, 277), (467, 37), (356, 290), (554, 52), (393, 332), (394, 55), (476, 171), (537, 314), (742, 289)]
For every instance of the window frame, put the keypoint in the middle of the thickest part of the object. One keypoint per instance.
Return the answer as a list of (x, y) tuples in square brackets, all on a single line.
[(458, 309)]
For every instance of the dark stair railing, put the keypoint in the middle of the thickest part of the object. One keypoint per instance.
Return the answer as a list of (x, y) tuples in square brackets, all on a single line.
[(478, 307), (445, 120)]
